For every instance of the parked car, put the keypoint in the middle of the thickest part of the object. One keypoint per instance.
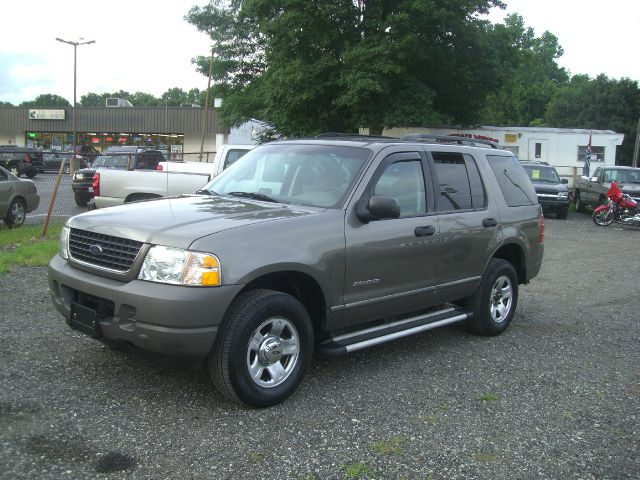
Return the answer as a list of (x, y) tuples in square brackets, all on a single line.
[(85, 153), (339, 243), (21, 160), (552, 191), (118, 158), (17, 198)]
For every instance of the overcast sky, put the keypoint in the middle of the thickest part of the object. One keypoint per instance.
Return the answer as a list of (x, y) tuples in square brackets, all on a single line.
[(146, 45)]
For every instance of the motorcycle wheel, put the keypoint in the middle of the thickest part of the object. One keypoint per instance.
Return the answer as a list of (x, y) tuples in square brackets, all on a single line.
[(603, 218)]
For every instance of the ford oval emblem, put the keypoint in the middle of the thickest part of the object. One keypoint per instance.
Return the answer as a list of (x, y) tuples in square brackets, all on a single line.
[(96, 250)]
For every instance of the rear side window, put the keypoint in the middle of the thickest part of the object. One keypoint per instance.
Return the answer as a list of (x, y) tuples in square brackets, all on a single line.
[(459, 181), (514, 182)]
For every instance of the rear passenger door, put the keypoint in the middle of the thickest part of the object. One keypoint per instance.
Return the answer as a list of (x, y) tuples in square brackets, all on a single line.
[(469, 228), (391, 264)]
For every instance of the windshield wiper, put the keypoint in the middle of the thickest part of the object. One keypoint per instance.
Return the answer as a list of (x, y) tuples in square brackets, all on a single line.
[(254, 196), (204, 191)]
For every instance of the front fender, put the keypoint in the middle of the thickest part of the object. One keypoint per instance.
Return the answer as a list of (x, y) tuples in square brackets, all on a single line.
[(601, 208)]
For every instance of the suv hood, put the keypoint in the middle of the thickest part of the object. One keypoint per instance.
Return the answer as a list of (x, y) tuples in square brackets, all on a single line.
[(179, 221)]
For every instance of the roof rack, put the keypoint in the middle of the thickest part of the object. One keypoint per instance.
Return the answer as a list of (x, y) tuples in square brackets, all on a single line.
[(353, 135), (415, 137)]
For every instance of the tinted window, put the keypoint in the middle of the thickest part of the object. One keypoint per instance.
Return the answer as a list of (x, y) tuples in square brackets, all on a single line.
[(516, 187), (404, 181), (453, 180), (233, 156)]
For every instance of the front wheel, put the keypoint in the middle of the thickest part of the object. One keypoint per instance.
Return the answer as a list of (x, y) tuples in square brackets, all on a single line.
[(263, 348), (494, 304), (603, 217), (81, 200)]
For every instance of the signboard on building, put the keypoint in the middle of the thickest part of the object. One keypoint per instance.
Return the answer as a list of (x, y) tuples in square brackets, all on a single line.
[(38, 114)]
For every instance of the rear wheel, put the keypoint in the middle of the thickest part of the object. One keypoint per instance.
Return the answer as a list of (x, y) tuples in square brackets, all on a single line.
[(603, 217), (263, 348), (66, 169), (16, 214), (81, 200), (495, 302), (578, 202)]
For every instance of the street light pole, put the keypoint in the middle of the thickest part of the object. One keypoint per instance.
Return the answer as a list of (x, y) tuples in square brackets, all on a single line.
[(74, 162)]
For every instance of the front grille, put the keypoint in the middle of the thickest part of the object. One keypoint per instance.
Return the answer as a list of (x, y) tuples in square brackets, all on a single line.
[(103, 251)]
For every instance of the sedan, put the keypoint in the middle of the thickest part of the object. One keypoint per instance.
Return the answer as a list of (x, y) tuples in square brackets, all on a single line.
[(17, 198)]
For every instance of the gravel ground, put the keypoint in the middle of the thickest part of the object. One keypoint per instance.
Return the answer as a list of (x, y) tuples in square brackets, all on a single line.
[(555, 397)]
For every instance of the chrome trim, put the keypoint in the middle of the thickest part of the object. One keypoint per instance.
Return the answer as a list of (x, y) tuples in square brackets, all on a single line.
[(393, 324), (405, 333), (396, 296)]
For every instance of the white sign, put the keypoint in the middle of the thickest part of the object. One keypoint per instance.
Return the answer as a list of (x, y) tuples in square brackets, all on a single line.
[(46, 114)]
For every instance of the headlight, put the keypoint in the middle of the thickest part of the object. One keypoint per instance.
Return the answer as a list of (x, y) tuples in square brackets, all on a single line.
[(563, 194), (64, 242), (180, 267)]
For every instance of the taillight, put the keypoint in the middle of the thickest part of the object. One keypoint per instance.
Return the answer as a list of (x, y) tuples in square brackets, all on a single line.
[(159, 168), (96, 184), (541, 237)]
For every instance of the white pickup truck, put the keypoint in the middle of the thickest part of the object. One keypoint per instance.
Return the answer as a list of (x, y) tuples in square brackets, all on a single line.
[(115, 187)]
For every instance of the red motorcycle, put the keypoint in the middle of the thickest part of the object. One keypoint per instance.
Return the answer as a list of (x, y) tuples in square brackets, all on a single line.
[(620, 208)]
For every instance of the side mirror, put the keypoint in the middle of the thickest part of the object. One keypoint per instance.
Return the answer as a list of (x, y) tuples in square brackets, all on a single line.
[(378, 208), (565, 181)]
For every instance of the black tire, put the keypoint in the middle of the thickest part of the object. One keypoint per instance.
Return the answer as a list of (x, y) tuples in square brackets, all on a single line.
[(495, 302), (66, 169), (81, 200), (16, 214), (258, 327), (578, 201), (602, 218), (15, 169), (563, 214), (31, 174)]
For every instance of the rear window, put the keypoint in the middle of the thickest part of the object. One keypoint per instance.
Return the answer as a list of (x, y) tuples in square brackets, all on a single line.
[(514, 182)]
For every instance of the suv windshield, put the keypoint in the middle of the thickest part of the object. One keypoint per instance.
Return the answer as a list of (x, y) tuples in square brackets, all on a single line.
[(542, 174), (314, 175)]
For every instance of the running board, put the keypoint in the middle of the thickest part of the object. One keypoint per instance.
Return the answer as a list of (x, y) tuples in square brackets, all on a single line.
[(353, 341)]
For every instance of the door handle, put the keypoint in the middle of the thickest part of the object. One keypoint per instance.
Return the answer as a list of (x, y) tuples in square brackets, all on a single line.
[(489, 222), (425, 231)]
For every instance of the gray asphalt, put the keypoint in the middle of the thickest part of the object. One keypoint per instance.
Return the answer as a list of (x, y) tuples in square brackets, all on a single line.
[(555, 397)]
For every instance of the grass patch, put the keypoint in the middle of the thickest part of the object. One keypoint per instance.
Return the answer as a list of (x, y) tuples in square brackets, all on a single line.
[(256, 457), (359, 470), (388, 447), (489, 397), (24, 246), (485, 457)]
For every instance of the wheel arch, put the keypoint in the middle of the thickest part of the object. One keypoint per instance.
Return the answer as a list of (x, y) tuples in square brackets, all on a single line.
[(134, 197), (299, 285), (514, 254)]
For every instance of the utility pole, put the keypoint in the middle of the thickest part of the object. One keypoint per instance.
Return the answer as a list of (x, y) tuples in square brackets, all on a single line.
[(74, 161), (635, 151), (206, 104)]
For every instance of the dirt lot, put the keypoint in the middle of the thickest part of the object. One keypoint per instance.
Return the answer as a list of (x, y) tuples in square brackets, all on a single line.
[(557, 396)]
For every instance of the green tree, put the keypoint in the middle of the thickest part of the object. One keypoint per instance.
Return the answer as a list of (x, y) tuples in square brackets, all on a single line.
[(529, 74), (47, 100), (325, 65), (599, 103), (6, 104)]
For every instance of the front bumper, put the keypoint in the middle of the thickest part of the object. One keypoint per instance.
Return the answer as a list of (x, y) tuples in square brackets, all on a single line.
[(165, 319), (553, 203)]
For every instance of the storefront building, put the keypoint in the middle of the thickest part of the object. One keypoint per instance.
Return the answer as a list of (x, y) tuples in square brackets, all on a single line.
[(173, 129)]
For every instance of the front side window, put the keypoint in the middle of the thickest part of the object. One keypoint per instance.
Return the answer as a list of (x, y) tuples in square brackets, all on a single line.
[(313, 175), (404, 181)]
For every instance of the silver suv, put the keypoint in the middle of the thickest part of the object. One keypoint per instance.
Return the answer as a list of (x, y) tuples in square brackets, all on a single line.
[(334, 243)]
